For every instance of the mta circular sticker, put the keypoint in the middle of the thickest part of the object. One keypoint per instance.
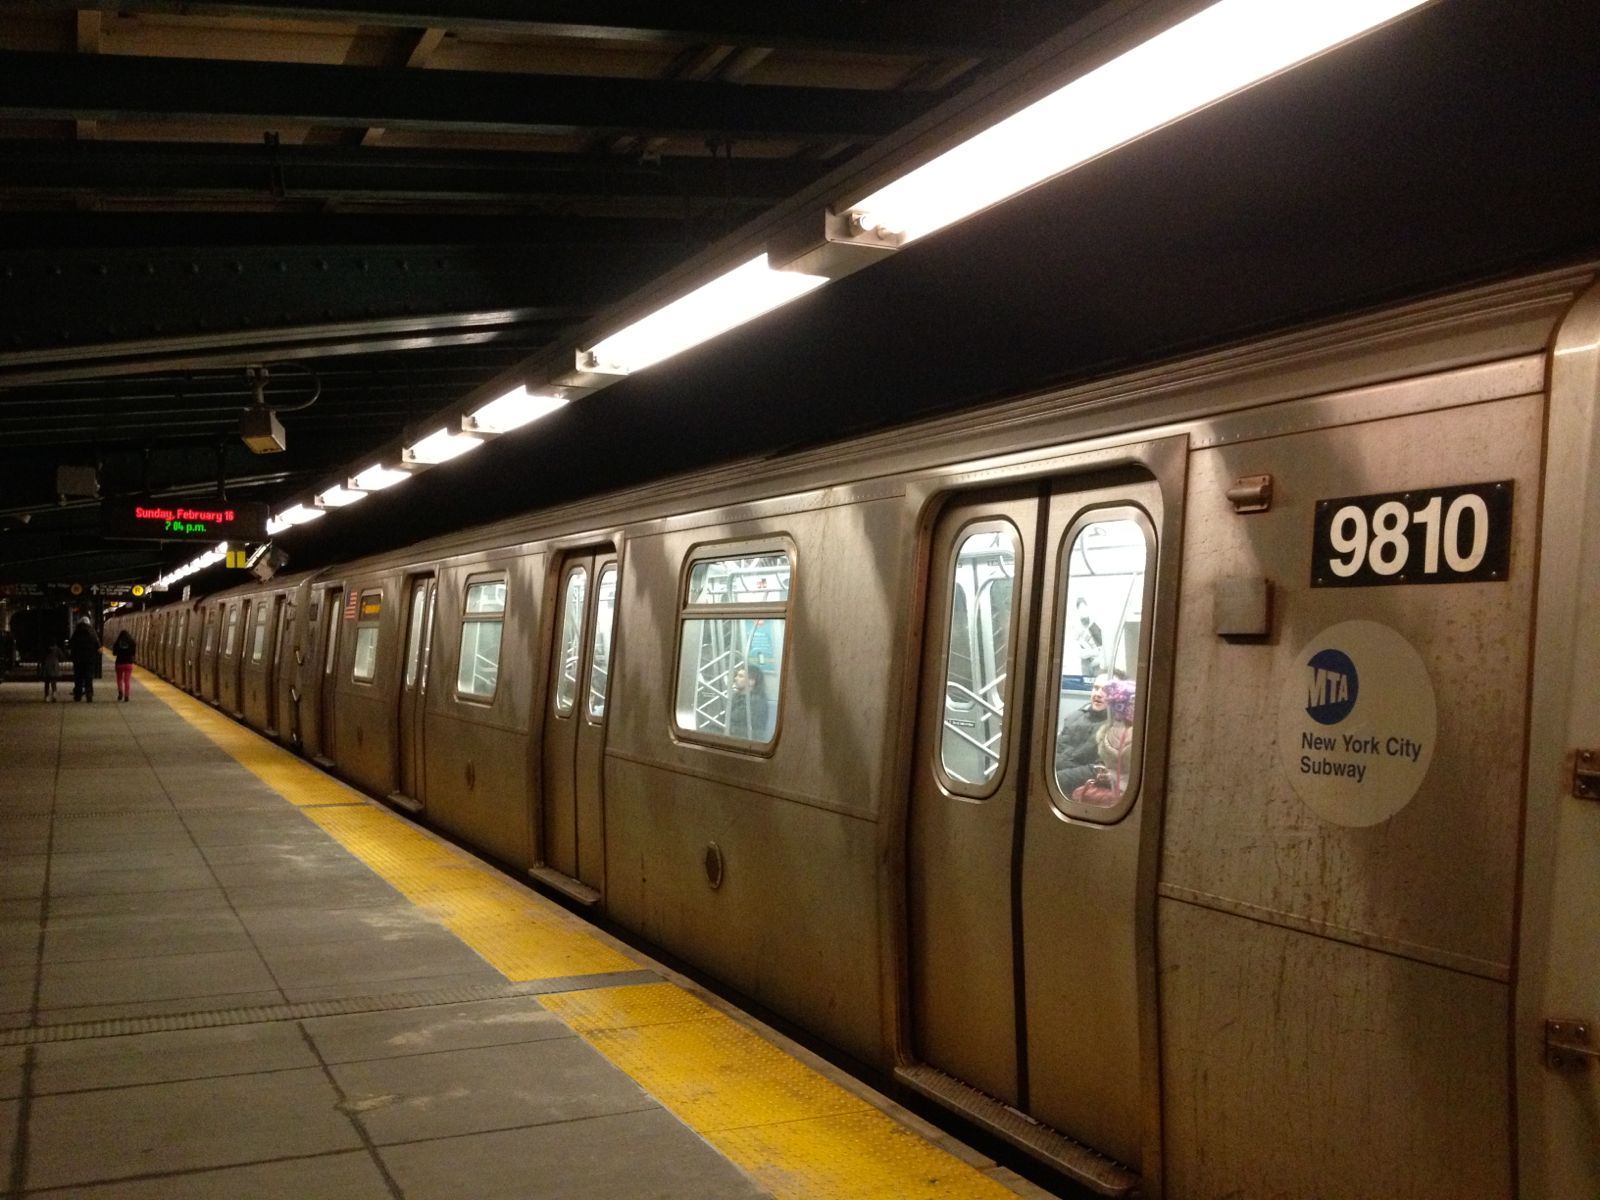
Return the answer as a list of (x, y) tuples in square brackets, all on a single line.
[(1357, 723)]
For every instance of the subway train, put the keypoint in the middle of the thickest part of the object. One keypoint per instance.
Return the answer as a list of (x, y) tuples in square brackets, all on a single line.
[(1177, 775)]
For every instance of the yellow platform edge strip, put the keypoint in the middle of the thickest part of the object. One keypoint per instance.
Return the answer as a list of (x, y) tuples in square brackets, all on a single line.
[(791, 1129)]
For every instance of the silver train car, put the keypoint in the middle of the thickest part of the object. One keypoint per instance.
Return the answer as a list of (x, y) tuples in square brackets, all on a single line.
[(1188, 776)]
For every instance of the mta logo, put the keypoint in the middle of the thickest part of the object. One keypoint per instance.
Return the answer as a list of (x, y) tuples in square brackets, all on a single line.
[(1331, 687)]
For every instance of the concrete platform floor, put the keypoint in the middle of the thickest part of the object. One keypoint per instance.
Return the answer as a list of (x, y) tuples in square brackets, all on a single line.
[(204, 994)]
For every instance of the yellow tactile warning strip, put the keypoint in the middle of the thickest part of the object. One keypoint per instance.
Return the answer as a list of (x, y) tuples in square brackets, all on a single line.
[(520, 935), (797, 1133), (793, 1130), (281, 771)]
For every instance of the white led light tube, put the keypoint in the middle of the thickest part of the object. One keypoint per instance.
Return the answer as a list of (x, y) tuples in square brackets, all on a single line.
[(339, 497), (1218, 51), (300, 514), (377, 477), (441, 446), (512, 411), (729, 300)]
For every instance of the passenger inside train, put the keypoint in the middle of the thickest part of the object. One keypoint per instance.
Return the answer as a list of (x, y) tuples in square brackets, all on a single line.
[(749, 713), (1077, 747)]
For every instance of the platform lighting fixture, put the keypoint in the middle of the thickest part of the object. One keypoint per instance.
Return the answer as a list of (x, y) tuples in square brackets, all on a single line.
[(377, 477), (441, 446), (729, 300), (515, 409), (1211, 55), (299, 514), (210, 558), (338, 497)]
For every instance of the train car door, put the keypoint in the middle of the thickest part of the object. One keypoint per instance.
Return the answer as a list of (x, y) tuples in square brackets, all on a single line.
[(282, 668), (421, 590), (333, 612), (1029, 873), (211, 652), (574, 731)]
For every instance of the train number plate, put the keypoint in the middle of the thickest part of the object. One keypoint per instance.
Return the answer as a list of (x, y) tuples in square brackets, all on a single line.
[(1428, 535)]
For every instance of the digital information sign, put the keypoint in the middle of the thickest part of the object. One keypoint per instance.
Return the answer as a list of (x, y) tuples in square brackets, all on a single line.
[(184, 520)]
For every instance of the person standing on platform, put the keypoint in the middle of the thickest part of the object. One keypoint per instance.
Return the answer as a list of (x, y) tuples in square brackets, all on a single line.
[(123, 648), (50, 669), (85, 650)]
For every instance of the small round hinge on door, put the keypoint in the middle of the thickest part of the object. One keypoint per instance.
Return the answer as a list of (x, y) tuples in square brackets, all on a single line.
[(714, 865)]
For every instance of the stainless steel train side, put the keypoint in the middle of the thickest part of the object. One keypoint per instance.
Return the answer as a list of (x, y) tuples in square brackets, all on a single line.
[(1276, 951)]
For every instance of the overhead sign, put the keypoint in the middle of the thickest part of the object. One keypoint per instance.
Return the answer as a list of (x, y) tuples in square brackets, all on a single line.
[(184, 520), (1357, 723), (1427, 535)]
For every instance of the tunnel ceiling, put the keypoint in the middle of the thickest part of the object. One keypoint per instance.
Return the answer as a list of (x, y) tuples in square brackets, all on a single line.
[(386, 205)]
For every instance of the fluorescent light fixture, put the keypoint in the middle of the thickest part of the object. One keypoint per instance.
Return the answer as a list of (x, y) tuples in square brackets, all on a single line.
[(377, 477), (276, 525), (441, 446), (512, 411), (300, 514), (1218, 51), (338, 497), (731, 299)]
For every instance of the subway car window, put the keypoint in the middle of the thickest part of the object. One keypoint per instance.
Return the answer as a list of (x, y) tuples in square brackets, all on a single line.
[(1097, 727), (332, 649), (977, 663), (258, 647), (730, 664), (573, 597), (233, 630), (605, 612), (366, 656), (419, 597), (481, 626)]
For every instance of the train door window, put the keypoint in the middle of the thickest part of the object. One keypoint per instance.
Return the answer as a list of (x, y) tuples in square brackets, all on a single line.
[(482, 623), (231, 636), (574, 595), (978, 658), (1104, 594), (209, 642), (285, 625), (730, 646), (365, 666), (605, 612), (258, 646), (332, 649), (419, 593)]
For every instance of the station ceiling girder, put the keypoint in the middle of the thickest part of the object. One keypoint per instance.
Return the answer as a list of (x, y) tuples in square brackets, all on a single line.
[(833, 25), (99, 308), (373, 175), (119, 87)]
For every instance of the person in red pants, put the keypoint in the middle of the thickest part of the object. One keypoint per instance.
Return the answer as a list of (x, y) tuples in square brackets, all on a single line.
[(123, 648)]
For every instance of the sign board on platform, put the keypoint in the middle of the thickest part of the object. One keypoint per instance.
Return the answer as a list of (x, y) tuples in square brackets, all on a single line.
[(184, 520)]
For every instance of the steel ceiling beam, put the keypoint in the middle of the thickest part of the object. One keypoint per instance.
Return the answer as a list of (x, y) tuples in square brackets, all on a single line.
[(350, 174), (845, 26), (146, 308), (115, 87)]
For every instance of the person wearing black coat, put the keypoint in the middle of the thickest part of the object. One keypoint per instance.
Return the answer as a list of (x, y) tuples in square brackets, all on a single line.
[(123, 649), (1077, 743), (85, 649)]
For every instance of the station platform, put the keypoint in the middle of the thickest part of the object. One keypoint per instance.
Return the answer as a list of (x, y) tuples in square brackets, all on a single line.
[(223, 973)]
